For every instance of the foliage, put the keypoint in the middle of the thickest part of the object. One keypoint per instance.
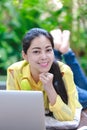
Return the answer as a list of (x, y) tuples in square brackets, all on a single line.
[(18, 16)]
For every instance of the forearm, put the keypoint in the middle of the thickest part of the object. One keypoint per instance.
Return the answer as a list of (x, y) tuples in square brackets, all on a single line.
[(58, 55), (52, 95), (61, 111)]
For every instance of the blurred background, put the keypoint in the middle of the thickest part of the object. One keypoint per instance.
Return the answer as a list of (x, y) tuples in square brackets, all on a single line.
[(18, 16)]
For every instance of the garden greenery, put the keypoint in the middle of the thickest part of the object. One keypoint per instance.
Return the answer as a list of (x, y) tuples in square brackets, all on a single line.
[(18, 16)]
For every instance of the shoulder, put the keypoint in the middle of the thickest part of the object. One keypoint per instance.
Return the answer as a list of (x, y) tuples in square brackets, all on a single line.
[(67, 76), (18, 65), (64, 68)]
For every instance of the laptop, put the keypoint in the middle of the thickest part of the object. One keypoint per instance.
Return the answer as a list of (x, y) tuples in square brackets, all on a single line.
[(21, 110)]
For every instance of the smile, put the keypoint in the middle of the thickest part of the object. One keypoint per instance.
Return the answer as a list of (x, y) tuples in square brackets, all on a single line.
[(45, 64)]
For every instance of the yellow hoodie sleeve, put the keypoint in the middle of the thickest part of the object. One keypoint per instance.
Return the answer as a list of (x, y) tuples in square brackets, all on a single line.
[(11, 83), (62, 111), (14, 75)]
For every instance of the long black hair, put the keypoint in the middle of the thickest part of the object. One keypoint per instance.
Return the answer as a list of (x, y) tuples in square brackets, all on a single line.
[(55, 70)]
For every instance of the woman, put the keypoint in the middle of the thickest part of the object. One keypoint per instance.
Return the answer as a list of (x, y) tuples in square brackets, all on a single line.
[(40, 71)]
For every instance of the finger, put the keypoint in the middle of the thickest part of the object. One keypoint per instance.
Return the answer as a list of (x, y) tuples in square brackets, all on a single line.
[(57, 37), (66, 35), (56, 34)]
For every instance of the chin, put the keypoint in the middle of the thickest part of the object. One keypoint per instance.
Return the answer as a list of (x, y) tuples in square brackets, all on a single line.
[(44, 71)]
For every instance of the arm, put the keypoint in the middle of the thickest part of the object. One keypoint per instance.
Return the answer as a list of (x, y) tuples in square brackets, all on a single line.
[(47, 81), (62, 111)]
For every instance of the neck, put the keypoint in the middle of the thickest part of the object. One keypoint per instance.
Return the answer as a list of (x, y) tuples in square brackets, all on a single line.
[(35, 77)]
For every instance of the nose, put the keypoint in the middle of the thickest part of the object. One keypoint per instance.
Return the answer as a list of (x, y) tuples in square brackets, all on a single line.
[(43, 55)]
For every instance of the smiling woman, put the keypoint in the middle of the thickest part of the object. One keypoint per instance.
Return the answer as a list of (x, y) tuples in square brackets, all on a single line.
[(40, 71)]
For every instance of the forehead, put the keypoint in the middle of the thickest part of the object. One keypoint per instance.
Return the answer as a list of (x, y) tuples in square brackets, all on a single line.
[(40, 41)]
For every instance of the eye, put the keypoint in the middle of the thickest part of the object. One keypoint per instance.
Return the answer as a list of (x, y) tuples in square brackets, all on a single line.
[(49, 50), (36, 52)]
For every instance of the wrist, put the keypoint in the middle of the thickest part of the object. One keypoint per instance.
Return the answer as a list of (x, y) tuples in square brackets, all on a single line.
[(67, 51)]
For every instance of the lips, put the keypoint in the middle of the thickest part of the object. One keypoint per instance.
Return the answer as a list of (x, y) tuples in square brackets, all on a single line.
[(44, 64)]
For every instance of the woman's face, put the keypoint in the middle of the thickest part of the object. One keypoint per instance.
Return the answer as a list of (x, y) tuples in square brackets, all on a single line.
[(40, 55)]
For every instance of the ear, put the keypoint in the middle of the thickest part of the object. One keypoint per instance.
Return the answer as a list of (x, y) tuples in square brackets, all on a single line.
[(24, 56)]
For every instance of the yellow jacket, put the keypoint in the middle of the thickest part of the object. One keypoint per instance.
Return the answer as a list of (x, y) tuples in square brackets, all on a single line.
[(19, 78)]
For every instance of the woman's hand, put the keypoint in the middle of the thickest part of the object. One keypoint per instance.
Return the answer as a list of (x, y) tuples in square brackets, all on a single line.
[(61, 40), (47, 81)]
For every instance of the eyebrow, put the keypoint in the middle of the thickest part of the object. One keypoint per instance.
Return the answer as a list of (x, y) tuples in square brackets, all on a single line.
[(40, 48)]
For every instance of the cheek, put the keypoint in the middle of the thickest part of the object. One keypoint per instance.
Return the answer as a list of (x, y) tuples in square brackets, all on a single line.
[(32, 59), (52, 57)]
